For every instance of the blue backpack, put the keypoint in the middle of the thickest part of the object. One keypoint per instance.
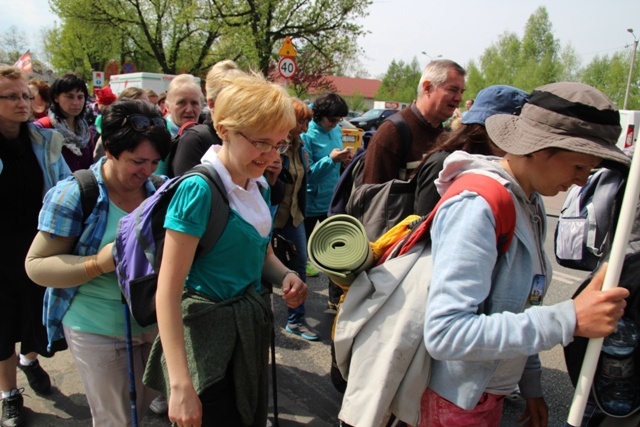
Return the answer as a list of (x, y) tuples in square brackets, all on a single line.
[(140, 241)]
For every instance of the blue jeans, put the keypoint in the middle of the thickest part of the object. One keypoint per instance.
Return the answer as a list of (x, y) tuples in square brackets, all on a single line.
[(299, 238)]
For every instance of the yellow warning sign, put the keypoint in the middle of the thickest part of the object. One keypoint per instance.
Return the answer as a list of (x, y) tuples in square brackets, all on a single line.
[(288, 49)]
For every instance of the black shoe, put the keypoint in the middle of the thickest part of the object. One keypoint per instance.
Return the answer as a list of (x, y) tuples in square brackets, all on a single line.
[(12, 414), (332, 306), (38, 379)]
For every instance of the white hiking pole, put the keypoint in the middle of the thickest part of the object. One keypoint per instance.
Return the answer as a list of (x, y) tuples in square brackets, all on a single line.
[(611, 278)]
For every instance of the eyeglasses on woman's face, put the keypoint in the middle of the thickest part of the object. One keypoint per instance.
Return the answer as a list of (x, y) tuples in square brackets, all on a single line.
[(141, 123), (265, 147), (15, 98)]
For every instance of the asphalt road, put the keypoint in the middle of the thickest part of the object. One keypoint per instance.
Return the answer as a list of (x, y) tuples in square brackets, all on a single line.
[(306, 396)]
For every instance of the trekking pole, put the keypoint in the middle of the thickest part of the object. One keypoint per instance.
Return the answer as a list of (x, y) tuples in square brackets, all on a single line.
[(611, 278), (132, 380), (276, 423)]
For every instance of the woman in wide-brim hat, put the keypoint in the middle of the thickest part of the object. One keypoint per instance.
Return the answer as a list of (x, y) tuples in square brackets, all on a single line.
[(485, 322)]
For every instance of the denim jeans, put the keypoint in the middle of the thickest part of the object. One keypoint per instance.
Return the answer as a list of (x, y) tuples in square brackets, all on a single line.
[(299, 238)]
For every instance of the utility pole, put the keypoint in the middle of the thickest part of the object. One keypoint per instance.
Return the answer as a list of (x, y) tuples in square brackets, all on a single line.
[(633, 62)]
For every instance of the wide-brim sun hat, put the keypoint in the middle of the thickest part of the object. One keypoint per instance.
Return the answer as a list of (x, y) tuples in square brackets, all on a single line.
[(496, 99), (567, 115)]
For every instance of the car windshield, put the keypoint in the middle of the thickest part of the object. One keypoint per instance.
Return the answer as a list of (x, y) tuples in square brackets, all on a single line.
[(346, 124), (372, 113)]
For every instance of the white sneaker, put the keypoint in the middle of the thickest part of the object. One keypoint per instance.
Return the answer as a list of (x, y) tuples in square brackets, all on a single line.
[(159, 405), (269, 423)]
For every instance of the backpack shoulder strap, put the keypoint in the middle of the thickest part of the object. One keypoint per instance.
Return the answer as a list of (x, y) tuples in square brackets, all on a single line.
[(403, 129), (45, 122), (498, 197), (185, 126), (156, 180), (603, 200), (89, 191), (349, 178), (219, 207)]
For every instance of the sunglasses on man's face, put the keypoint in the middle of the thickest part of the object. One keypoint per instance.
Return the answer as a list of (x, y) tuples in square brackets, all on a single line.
[(141, 123)]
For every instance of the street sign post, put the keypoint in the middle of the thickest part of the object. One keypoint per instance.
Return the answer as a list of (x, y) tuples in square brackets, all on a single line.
[(287, 67), (288, 49), (98, 79)]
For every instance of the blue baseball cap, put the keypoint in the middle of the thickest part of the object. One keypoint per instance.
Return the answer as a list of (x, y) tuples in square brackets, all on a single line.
[(496, 99)]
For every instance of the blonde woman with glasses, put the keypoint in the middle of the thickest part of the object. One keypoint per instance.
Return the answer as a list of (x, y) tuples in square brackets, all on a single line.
[(211, 356)]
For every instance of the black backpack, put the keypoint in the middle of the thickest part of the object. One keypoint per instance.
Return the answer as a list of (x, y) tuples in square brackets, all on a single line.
[(351, 177), (174, 146), (575, 351)]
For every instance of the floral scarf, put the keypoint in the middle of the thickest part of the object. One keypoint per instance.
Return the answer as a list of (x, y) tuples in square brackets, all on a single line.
[(75, 142)]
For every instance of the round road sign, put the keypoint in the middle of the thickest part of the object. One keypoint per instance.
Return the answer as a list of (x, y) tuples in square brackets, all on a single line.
[(287, 67)]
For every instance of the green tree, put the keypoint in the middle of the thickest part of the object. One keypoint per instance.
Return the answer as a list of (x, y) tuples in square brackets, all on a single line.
[(311, 77), (610, 75), (327, 27), (528, 63), (400, 82), (176, 34), (80, 47), (500, 62), (356, 102), (191, 35), (539, 59), (570, 70), (475, 81)]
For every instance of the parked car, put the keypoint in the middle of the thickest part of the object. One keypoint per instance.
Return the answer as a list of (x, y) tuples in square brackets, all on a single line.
[(351, 135), (352, 114), (372, 119)]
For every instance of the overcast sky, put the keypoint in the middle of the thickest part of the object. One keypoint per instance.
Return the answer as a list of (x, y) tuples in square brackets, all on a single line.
[(456, 29)]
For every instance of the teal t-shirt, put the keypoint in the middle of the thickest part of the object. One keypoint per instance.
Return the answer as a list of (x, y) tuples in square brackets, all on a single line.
[(97, 306), (235, 262)]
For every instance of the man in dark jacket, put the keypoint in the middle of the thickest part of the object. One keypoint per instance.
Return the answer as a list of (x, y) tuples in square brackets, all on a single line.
[(439, 94)]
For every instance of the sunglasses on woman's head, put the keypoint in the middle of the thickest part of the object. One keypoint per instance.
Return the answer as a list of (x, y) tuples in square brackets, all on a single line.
[(141, 123)]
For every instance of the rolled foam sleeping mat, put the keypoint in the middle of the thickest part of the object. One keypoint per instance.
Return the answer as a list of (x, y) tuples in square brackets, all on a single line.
[(339, 247)]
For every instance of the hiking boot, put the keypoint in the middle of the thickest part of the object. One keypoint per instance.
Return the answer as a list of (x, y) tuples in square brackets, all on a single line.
[(311, 271), (12, 413), (38, 379), (159, 405), (303, 330)]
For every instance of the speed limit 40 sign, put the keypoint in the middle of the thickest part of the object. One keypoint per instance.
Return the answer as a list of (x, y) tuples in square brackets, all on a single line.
[(287, 67)]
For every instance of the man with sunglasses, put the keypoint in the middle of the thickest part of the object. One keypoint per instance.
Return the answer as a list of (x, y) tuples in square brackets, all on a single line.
[(30, 164)]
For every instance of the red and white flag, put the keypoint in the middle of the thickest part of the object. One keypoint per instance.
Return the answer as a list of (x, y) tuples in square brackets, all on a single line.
[(24, 63)]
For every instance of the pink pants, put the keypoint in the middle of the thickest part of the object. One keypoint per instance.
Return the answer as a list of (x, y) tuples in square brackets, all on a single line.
[(435, 411)]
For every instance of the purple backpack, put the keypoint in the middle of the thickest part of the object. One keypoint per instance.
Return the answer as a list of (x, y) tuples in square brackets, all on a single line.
[(140, 240)]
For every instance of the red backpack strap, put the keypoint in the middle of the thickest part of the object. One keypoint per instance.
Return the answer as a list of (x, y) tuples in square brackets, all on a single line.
[(186, 126), (45, 122), (498, 197)]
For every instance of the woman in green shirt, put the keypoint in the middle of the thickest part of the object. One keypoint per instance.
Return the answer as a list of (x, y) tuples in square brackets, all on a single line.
[(214, 326)]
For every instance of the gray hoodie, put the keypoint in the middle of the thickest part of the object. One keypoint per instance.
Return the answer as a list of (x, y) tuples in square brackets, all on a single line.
[(480, 326)]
